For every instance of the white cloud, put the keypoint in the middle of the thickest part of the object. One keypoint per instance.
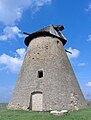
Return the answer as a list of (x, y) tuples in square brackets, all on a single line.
[(89, 38), (3, 68), (21, 52), (75, 53), (89, 7), (82, 64), (88, 84), (87, 92), (11, 33), (12, 10), (5, 93), (12, 63), (37, 4)]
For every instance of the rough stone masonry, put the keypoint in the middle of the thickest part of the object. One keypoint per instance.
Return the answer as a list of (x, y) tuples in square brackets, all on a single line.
[(46, 81)]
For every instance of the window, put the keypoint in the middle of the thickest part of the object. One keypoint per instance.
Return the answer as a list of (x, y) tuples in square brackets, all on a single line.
[(57, 42), (40, 74)]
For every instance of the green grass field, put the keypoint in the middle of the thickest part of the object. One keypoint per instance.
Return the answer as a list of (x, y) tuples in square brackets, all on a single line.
[(83, 114)]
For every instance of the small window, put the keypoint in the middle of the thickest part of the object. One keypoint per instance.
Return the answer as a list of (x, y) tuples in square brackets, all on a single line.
[(40, 74), (57, 42)]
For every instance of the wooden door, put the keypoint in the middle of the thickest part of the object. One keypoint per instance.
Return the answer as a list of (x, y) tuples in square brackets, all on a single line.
[(37, 102)]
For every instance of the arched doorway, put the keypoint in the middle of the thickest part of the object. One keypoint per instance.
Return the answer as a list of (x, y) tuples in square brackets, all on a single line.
[(37, 101)]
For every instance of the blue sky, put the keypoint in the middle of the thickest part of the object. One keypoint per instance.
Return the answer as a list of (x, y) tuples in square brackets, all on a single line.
[(17, 16)]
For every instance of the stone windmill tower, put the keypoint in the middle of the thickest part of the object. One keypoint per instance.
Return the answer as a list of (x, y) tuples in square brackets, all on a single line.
[(46, 80)]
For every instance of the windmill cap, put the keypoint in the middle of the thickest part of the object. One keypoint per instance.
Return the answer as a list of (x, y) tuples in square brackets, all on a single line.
[(47, 31)]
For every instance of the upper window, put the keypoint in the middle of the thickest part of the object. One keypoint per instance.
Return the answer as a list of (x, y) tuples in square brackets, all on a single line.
[(57, 42), (40, 74)]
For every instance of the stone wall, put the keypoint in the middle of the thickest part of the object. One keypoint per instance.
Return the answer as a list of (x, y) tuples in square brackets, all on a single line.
[(58, 83)]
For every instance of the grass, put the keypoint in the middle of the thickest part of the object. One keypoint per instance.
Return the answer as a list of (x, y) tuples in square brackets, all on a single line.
[(83, 114)]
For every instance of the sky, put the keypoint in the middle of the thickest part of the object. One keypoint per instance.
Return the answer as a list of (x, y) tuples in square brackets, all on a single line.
[(18, 16)]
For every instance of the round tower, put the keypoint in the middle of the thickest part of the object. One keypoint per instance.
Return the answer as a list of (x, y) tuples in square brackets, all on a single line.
[(46, 80)]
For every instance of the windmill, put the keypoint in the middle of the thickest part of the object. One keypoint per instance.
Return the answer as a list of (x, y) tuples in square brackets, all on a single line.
[(47, 81)]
